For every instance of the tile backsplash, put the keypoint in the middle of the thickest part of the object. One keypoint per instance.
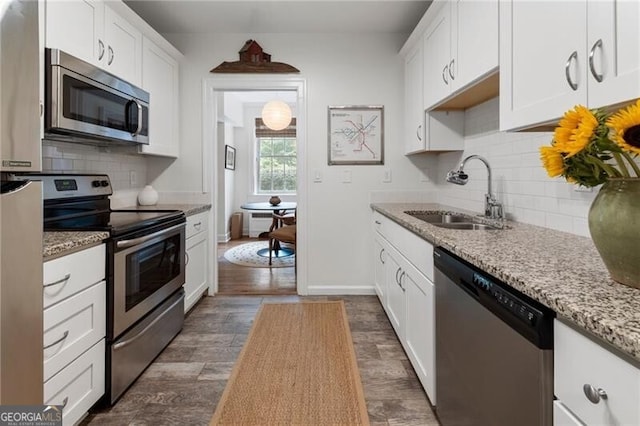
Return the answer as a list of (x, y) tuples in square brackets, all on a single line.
[(126, 168), (519, 180)]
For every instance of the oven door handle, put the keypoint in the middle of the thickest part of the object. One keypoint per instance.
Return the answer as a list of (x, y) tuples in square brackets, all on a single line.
[(127, 342), (140, 240)]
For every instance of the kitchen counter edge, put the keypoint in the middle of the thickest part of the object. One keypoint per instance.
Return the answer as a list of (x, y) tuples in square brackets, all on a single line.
[(561, 270)]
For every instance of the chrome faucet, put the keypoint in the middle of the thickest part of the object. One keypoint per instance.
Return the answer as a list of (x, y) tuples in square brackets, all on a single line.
[(492, 208)]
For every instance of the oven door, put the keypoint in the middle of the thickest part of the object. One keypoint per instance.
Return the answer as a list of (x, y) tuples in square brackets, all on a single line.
[(146, 270)]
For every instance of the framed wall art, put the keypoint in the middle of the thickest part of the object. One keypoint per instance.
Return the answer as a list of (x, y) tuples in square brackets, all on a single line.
[(229, 157), (356, 135)]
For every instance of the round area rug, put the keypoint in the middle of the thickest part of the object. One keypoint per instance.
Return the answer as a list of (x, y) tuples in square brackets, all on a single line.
[(247, 255)]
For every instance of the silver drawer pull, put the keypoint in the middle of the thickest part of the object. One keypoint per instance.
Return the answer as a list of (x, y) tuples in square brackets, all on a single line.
[(127, 342), (65, 401), (378, 222), (594, 395), (64, 336), (197, 225), (592, 67), (60, 281), (380, 256)]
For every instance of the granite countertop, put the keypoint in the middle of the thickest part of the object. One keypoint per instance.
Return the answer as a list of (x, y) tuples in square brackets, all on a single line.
[(563, 271), (188, 209), (56, 244)]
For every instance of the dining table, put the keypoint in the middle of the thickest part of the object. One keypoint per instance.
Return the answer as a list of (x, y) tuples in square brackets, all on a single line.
[(278, 209)]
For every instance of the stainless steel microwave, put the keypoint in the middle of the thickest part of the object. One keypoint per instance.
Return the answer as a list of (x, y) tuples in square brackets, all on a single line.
[(86, 104)]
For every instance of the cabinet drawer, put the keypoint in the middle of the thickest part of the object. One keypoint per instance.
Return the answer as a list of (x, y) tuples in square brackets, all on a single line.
[(70, 274), (563, 417), (196, 224), (79, 385), (417, 250), (73, 326), (578, 360)]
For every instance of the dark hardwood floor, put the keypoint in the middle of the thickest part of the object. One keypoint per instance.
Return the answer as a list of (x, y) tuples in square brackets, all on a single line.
[(184, 384), (245, 280)]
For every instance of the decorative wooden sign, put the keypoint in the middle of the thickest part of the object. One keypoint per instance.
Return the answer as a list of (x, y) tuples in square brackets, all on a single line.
[(254, 60)]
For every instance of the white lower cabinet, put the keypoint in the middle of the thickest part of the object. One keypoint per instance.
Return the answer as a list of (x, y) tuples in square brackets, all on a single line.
[(197, 242), (593, 385), (379, 255), (78, 386), (404, 277), (74, 325)]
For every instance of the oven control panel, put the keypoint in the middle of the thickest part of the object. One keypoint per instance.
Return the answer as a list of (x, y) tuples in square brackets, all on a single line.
[(56, 186)]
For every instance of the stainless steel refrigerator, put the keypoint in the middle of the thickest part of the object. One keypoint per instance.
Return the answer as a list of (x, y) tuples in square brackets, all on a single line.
[(21, 350)]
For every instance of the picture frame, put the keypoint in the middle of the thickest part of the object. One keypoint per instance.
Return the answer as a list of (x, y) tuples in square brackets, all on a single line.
[(229, 157), (356, 135)]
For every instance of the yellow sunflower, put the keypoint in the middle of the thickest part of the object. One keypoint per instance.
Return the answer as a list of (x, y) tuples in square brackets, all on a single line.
[(626, 128), (575, 130), (552, 160)]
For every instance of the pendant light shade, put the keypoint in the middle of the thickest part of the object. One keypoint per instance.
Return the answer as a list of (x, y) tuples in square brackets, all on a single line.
[(276, 115)]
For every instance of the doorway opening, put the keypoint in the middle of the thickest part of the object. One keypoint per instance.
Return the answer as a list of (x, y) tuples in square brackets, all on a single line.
[(263, 166)]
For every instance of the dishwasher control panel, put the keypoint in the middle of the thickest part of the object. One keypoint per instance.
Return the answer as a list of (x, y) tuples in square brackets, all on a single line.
[(507, 300)]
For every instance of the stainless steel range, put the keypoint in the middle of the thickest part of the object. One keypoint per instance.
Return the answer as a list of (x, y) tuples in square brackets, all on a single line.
[(145, 270)]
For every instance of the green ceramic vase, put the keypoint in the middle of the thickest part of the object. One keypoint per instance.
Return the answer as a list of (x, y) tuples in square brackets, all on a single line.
[(614, 223)]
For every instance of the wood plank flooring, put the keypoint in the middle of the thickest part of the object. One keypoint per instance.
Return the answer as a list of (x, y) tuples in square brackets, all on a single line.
[(236, 279), (184, 384)]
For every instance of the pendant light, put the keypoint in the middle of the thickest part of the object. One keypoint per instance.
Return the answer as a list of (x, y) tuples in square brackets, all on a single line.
[(276, 115)]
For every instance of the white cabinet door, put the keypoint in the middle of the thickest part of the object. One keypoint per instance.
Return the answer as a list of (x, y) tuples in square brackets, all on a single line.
[(123, 44), (160, 79), (420, 328), (414, 108), (77, 27), (614, 51), (437, 57), (543, 60), (196, 270), (395, 293), (379, 254), (474, 46)]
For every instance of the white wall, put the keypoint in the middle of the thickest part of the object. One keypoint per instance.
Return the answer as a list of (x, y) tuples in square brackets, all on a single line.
[(519, 179), (348, 69)]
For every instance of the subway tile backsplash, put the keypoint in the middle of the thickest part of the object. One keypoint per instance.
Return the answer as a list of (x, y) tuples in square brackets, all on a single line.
[(117, 162), (519, 180)]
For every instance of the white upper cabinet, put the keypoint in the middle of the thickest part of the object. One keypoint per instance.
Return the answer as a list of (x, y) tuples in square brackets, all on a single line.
[(414, 109), (91, 31), (553, 54), (123, 44), (614, 52), (160, 79), (76, 27), (474, 46), (437, 56), (460, 50)]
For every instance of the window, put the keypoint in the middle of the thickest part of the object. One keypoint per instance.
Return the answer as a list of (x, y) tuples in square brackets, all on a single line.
[(276, 159)]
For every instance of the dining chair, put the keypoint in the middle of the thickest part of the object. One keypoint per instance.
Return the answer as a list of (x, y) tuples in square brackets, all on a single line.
[(285, 234)]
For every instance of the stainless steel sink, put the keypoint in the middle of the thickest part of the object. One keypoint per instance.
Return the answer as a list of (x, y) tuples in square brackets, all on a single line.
[(466, 226), (435, 217)]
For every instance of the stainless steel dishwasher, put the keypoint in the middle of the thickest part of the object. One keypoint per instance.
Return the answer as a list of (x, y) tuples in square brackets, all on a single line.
[(494, 350)]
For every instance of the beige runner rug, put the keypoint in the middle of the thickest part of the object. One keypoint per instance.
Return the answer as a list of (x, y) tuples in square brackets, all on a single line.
[(298, 367)]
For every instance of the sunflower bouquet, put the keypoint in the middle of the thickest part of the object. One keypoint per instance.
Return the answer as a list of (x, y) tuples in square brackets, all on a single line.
[(590, 146)]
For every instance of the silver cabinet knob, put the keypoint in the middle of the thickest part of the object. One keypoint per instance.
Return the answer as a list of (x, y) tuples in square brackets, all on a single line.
[(594, 395)]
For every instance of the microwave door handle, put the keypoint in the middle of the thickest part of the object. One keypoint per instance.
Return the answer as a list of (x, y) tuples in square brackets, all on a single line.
[(138, 129)]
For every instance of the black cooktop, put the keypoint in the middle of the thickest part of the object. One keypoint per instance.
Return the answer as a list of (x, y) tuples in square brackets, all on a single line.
[(116, 222)]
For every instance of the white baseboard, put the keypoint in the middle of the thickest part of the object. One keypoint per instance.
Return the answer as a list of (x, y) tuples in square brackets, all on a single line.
[(224, 238), (340, 290)]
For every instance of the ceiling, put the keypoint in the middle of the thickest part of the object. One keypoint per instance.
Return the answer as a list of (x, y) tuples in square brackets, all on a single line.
[(274, 16)]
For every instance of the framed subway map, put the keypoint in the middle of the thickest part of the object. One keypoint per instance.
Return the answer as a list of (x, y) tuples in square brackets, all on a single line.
[(356, 135)]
